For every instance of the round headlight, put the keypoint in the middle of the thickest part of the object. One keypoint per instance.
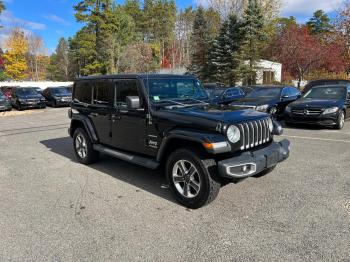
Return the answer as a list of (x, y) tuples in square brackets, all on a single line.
[(233, 134), (270, 125)]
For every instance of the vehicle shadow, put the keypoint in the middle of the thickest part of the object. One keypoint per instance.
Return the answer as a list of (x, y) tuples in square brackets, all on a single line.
[(152, 181)]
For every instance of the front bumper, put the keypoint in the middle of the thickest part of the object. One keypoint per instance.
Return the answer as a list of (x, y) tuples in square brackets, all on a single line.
[(63, 102), (27, 105), (5, 107), (323, 120), (251, 163)]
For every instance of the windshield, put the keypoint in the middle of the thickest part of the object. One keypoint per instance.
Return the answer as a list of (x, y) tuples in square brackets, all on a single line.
[(334, 92), (61, 91), (265, 92), (174, 89), (26, 91)]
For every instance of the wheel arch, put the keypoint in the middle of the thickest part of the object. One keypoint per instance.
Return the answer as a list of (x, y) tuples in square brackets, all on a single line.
[(84, 122)]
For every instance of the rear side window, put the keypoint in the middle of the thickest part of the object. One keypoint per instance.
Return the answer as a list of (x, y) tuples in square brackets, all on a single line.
[(126, 88), (103, 92), (83, 92)]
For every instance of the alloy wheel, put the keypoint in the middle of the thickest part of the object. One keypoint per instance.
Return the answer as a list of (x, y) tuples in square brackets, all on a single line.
[(341, 119), (81, 146), (186, 178)]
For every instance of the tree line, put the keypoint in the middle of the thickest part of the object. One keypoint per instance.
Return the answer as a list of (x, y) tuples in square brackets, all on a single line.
[(223, 42)]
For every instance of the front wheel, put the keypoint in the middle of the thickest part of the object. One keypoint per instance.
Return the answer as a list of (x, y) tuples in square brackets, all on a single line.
[(83, 147), (192, 178), (340, 121)]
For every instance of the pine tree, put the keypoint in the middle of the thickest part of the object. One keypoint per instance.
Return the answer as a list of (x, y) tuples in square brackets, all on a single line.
[(201, 44), (319, 23), (224, 58), (255, 36), (97, 15)]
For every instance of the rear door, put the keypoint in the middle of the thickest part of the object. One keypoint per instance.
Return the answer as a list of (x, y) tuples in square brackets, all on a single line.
[(129, 126), (100, 109)]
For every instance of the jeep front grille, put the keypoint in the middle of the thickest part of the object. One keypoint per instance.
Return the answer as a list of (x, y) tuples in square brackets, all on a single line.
[(255, 133)]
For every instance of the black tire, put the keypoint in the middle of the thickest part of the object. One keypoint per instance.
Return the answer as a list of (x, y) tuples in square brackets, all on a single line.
[(54, 104), (206, 173), (19, 107), (91, 155), (265, 172), (340, 120)]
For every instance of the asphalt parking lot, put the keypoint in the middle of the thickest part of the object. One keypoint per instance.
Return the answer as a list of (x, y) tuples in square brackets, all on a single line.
[(54, 209)]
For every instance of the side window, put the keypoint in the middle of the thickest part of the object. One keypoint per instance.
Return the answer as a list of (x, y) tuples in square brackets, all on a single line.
[(83, 92), (228, 94), (348, 95), (103, 92), (126, 88)]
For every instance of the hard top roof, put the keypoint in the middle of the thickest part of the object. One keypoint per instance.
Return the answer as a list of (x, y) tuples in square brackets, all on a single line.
[(142, 76)]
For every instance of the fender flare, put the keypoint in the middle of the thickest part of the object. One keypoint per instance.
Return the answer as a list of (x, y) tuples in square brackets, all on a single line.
[(89, 128), (191, 136)]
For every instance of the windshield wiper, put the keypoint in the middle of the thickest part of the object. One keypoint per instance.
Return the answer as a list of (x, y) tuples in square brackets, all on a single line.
[(197, 100), (171, 101)]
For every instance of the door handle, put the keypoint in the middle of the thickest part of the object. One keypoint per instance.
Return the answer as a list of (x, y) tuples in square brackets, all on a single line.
[(93, 114)]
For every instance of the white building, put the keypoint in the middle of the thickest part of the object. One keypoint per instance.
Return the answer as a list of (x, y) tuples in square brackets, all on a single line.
[(267, 72)]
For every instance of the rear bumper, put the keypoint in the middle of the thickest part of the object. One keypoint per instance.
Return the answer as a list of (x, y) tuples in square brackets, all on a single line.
[(254, 162)]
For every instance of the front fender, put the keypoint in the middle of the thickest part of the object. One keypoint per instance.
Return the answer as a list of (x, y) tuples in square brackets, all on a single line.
[(194, 136)]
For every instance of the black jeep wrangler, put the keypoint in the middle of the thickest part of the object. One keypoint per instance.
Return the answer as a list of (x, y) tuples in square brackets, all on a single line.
[(150, 120)]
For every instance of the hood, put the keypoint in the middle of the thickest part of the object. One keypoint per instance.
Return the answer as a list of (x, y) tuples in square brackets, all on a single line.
[(255, 101), (315, 103), (207, 116)]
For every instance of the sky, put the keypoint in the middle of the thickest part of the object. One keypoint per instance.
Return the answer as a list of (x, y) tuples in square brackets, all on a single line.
[(52, 19)]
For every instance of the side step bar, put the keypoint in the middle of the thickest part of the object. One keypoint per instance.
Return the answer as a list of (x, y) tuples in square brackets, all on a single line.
[(138, 160)]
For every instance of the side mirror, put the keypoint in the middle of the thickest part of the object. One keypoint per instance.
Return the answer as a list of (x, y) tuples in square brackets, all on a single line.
[(133, 102)]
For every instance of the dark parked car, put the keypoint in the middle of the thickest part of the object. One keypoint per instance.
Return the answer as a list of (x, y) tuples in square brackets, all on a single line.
[(150, 120), (27, 97), (5, 103), (269, 99), (58, 96), (325, 82), (225, 96), (322, 105)]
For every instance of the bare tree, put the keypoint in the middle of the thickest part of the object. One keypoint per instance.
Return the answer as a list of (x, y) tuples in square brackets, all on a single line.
[(271, 8), (36, 51)]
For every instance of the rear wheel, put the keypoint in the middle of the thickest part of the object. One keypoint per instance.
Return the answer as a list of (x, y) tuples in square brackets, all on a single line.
[(54, 104), (340, 121), (192, 178), (83, 147)]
